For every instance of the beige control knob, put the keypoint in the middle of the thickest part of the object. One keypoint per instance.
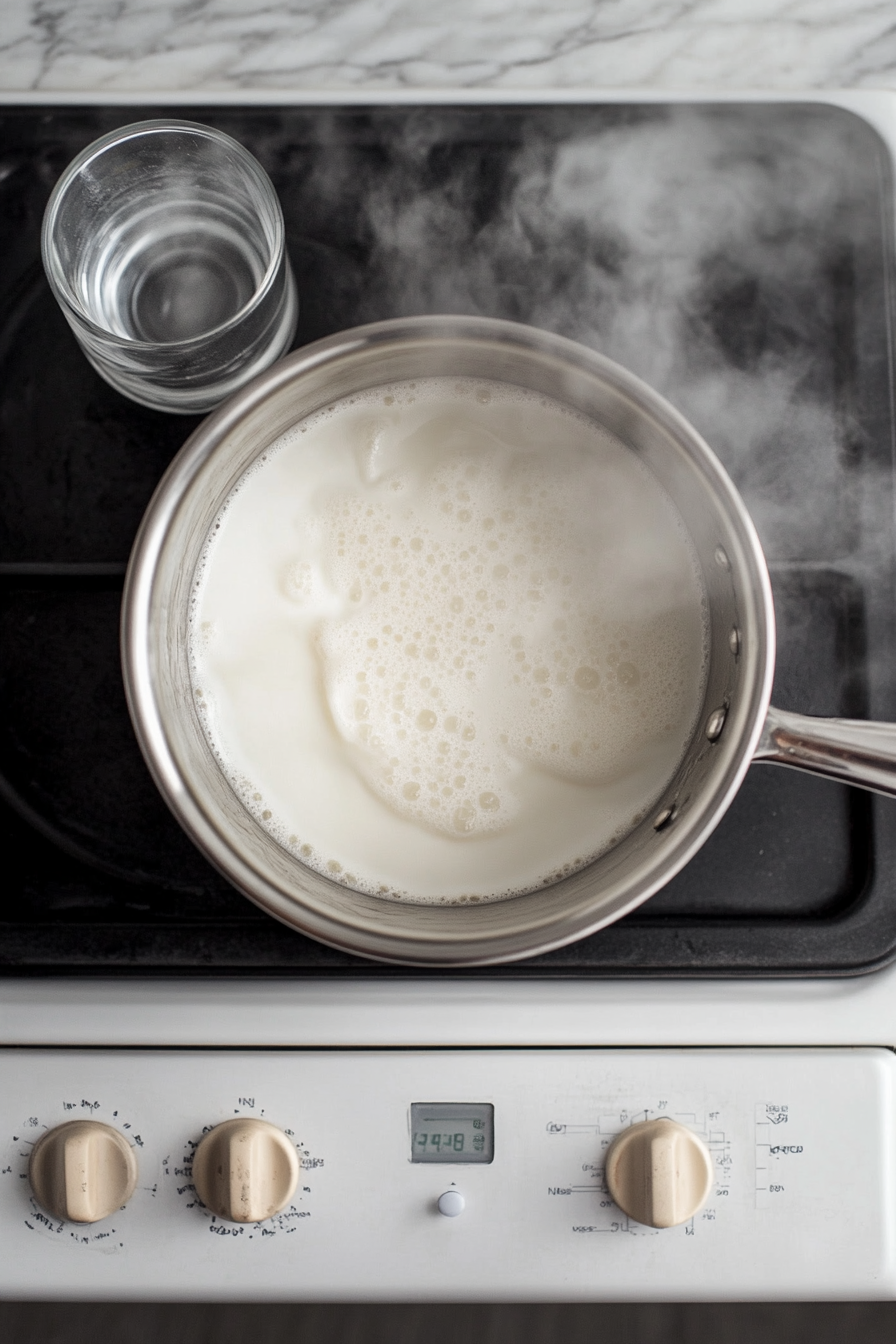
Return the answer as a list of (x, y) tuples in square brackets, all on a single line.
[(83, 1171), (245, 1170), (659, 1172)]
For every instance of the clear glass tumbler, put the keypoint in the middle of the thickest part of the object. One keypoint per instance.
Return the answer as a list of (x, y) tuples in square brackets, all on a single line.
[(164, 245)]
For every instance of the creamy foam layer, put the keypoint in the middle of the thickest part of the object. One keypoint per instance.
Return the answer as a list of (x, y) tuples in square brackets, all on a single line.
[(449, 641)]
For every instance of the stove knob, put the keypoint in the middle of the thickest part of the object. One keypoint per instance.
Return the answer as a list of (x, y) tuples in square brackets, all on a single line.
[(245, 1170), (659, 1172), (83, 1171)]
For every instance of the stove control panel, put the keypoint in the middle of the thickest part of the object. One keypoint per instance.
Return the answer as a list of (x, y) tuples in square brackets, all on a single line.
[(478, 1174)]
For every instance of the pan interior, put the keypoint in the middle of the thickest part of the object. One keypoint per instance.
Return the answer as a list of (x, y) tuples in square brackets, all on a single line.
[(737, 674)]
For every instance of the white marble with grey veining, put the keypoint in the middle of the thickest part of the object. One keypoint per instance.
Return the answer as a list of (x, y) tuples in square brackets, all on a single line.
[(132, 46)]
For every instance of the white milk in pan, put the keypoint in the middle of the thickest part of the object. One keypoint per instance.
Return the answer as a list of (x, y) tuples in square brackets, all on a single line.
[(450, 640)]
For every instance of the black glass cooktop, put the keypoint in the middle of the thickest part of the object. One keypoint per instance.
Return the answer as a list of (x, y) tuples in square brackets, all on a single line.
[(738, 257)]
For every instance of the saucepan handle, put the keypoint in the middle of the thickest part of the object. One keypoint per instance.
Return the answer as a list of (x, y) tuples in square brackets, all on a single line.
[(847, 749)]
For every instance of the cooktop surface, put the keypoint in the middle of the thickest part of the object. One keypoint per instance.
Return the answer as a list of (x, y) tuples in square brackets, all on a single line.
[(736, 256)]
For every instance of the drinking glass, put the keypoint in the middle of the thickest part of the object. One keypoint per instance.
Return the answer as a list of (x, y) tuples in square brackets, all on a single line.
[(163, 242)]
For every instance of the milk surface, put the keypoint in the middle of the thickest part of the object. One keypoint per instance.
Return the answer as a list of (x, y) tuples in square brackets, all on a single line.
[(450, 640)]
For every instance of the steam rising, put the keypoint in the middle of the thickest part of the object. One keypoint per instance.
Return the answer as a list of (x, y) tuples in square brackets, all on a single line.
[(715, 252)]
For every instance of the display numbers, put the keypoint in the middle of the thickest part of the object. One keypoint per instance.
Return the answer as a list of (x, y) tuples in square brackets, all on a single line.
[(441, 1143), (451, 1143)]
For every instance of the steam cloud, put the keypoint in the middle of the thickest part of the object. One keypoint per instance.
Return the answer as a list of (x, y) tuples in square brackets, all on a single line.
[(731, 255), (717, 252)]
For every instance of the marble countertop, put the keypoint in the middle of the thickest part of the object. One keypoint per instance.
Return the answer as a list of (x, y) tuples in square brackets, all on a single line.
[(123, 47)]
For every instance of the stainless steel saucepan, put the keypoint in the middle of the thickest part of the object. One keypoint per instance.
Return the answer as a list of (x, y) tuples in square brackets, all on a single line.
[(736, 727)]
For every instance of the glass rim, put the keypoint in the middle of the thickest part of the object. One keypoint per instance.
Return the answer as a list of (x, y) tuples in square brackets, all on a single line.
[(67, 296)]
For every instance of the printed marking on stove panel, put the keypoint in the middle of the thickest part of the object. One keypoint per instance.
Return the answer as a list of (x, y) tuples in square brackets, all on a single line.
[(778, 1153), (604, 1216)]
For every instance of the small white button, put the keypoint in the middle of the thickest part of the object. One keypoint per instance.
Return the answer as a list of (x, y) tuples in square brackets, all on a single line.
[(451, 1203)]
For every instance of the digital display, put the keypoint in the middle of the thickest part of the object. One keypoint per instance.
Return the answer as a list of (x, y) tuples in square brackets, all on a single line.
[(452, 1131)]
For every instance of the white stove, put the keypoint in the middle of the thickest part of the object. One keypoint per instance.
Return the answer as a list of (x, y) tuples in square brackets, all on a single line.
[(791, 1087), (448, 1136)]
